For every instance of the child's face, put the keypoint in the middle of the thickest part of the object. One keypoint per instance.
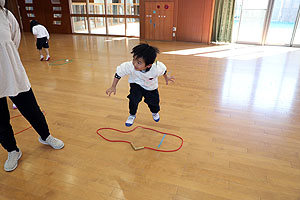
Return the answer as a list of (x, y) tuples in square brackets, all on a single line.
[(139, 64)]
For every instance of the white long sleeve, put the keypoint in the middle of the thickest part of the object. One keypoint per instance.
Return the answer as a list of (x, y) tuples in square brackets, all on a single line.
[(14, 29)]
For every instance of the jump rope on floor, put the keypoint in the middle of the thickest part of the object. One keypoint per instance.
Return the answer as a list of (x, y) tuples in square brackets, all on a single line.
[(139, 148), (124, 141)]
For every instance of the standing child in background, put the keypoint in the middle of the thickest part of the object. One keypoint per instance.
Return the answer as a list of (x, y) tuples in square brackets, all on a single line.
[(143, 78), (42, 38)]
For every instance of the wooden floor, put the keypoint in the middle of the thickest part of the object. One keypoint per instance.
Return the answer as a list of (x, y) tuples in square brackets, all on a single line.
[(237, 108)]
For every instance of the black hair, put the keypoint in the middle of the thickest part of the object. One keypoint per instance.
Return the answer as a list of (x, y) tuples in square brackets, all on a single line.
[(145, 51), (32, 24)]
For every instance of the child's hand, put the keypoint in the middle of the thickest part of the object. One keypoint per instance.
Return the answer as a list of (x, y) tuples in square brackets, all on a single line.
[(111, 90), (169, 78)]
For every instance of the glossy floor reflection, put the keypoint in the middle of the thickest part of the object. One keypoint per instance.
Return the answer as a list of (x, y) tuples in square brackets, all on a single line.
[(269, 83), (237, 108)]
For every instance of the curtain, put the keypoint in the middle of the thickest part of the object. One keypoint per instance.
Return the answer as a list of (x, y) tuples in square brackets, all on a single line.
[(223, 20)]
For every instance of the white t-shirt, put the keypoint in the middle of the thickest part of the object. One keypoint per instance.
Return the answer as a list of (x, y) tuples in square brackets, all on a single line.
[(40, 31), (13, 78), (147, 80)]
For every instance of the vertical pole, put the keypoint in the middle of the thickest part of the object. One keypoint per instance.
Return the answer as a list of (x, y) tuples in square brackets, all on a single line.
[(241, 13), (267, 21), (87, 15), (295, 27), (125, 13), (105, 9)]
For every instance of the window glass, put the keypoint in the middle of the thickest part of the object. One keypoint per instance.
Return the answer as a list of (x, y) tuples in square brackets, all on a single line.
[(133, 27), (78, 7), (97, 25), (115, 7), (132, 7), (116, 26), (80, 25), (97, 7)]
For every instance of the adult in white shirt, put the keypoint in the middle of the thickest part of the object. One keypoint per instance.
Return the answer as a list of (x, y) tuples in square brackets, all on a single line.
[(42, 37), (14, 84)]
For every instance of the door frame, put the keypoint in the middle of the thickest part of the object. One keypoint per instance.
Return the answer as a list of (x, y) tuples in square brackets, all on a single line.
[(295, 30)]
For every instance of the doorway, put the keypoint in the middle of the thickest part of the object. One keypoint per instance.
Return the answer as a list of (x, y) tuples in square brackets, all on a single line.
[(267, 22), (159, 20)]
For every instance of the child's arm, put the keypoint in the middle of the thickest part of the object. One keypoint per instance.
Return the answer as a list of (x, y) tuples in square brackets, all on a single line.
[(48, 36), (34, 33), (168, 78), (122, 70), (113, 87), (162, 71), (35, 36)]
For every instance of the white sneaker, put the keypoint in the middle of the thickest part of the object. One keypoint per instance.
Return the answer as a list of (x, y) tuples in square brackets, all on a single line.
[(155, 117), (130, 120), (12, 160), (53, 142)]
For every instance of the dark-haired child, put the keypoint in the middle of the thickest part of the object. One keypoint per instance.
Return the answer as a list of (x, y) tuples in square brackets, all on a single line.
[(42, 38), (143, 74)]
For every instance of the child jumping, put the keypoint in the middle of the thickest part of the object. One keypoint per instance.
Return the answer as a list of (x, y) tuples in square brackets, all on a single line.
[(42, 38), (143, 78)]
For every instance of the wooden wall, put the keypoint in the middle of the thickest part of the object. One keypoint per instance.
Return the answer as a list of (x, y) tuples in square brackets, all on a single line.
[(43, 11), (192, 18), (195, 18)]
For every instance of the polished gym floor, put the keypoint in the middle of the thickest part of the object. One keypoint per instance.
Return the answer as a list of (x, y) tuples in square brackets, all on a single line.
[(236, 107)]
